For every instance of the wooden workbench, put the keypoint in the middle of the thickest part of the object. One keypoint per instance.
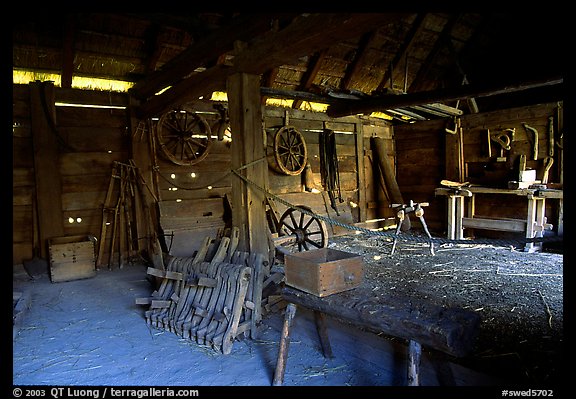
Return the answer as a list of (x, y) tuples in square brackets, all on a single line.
[(533, 225), (449, 330)]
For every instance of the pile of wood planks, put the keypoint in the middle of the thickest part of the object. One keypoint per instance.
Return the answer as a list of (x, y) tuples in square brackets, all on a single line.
[(209, 298)]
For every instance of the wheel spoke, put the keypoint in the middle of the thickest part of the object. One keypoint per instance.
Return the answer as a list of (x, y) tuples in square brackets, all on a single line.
[(172, 124), (171, 144), (296, 160), (199, 143), (301, 219), (309, 223), (313, 243), (192, 150), (294, 223)]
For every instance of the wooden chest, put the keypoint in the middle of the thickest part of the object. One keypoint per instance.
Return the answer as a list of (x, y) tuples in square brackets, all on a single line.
[(71, 258), (324, 271)]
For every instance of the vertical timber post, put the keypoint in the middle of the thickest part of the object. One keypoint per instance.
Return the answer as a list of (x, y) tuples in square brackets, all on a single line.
[(46, 164), (248, 148)]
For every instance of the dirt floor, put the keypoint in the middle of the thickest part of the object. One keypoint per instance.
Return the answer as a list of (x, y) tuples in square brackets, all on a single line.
[(519, 296), (90, 332)]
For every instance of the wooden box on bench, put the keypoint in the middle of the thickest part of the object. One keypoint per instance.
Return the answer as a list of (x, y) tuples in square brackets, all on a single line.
[(324, 271), (71, 258)]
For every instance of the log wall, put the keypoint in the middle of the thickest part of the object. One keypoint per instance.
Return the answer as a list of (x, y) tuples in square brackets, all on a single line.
[(421, 161), (96, 137)]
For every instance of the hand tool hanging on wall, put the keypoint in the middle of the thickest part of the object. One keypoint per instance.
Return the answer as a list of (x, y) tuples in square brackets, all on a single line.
[(329, 167), (548, 162), (550, 136), (534, 138)]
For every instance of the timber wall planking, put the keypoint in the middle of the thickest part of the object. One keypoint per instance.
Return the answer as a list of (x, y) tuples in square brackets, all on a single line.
[(98, 137), (421, 158)]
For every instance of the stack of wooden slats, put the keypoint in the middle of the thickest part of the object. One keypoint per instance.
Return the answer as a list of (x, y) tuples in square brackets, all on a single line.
[(209, 298)]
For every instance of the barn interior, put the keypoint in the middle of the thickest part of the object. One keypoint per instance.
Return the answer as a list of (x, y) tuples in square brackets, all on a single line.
[(271, 198)]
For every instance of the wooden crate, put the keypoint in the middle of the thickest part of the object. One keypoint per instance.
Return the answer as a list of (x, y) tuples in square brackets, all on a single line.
[(71, 258), (324, 271)]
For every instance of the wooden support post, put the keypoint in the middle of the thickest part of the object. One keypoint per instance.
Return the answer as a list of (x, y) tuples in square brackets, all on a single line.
[(284, 343), (414, 354), (46, 161), (248, 147), (455, 215), (323, 334), (360, 175), (535, 221)]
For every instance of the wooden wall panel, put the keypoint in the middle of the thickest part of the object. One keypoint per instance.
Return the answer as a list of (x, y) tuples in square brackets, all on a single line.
[(84, 166), (97, 137), (421, 161)]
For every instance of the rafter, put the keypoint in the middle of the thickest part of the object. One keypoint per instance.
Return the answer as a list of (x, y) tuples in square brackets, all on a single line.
[(310, 74), (200, 53), (403, 51), (438, 45), (304, 36), (358, 61)]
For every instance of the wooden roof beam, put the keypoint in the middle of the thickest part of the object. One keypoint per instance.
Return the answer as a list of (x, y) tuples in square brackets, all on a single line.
[(358, 61), (305, 35), (401, 54), (310, 74), (201, 53), (68, 52), (438, 45), (382, 103)]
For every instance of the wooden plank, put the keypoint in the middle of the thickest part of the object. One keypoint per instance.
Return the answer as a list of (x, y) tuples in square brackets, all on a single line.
[(47, 178), (94, 97), (23, 176), (515, 225), (236, 309), (80, 163), (95, 138), (197, 208), (90, 117)]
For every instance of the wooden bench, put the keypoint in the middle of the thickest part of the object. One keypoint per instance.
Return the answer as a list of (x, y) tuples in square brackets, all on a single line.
[(449, 330), (532, 227)]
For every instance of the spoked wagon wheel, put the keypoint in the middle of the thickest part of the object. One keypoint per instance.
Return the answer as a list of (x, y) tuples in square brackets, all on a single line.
[(184, 137), (309, 232), (290, 150)]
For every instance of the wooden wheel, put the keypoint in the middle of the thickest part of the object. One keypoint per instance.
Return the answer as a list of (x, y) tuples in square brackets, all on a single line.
[(309, 232), (290, 150), (184, 137)]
